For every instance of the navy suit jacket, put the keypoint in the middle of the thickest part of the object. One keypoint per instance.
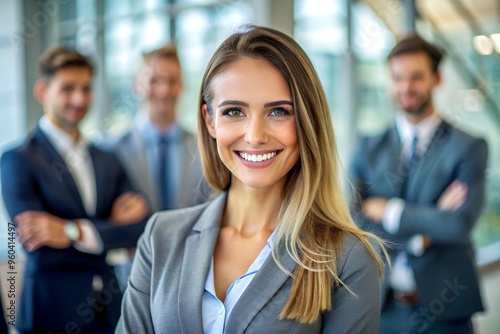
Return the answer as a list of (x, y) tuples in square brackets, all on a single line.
[(3, 321), (58, 283), (446, 274)]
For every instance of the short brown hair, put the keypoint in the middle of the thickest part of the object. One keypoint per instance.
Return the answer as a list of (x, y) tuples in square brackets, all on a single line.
[(416, 44), (59, 57), (168, 51)]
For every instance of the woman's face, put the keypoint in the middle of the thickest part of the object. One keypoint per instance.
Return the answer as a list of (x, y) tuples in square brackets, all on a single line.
[(253, 123)]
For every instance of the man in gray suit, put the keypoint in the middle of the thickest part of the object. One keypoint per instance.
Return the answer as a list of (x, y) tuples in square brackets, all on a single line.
[(159, 156), (422, 187)]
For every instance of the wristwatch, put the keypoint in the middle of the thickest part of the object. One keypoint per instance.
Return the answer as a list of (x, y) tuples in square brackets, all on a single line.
[(71, 230)]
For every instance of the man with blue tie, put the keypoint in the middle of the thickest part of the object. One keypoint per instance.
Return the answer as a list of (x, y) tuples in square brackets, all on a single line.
[(161, 159), (71, 203), (159, 156), (422, 187)]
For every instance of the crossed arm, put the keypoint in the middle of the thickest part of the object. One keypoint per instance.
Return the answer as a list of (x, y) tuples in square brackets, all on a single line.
[(39, 228), (450, 200), (456, 211), (36, 227)]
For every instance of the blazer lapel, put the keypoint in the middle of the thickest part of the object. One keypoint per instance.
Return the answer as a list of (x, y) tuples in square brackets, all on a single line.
[(261, 290), (137, 149), (100, 181), (391, 168), (198, 254), (431, 157), (59, 168), (135, 162)]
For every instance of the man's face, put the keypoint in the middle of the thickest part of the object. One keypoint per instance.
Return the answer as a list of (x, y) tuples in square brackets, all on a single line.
[(412, 82), (67, 96), (161, 84)]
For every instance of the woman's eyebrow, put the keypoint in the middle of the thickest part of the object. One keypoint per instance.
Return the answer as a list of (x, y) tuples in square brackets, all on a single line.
[(278, 103), (233, 103), (244, 104)]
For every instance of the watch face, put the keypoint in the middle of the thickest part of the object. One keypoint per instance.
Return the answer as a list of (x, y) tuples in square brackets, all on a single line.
[(71, 230)]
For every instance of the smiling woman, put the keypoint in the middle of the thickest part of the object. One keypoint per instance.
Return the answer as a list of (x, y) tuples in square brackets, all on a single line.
[(253, 123), (276, 251)]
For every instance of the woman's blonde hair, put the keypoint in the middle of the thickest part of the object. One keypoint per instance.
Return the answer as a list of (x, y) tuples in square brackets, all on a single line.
[(314, 215)]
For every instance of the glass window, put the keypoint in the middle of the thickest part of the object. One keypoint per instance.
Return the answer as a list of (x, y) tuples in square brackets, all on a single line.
[(67, 11), (372, 41), (199, 31), (114, 8), (320, 28), (86, 10), (119, 47)]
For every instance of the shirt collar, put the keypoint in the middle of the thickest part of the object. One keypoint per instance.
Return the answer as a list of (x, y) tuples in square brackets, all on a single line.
[(152, 134), (424, 130), (62, 141)]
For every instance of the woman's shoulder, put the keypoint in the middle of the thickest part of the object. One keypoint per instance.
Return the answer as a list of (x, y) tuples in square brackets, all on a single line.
[(355, 255)]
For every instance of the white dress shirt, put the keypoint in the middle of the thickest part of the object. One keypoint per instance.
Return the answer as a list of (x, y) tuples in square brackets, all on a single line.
[(77, 158), (401, 276)]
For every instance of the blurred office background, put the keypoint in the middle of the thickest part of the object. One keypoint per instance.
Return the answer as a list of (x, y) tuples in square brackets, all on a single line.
[(348, 42)]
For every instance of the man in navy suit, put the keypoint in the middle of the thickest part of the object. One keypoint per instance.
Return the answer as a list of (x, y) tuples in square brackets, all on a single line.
[(72, 203), (422, 187)]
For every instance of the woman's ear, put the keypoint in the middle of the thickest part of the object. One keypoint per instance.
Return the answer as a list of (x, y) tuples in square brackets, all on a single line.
[(209, 121), (39, 89)]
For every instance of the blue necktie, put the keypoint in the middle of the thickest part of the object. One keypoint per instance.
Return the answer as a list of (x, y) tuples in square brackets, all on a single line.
[(163, 173), (411, 163), (413, 157)]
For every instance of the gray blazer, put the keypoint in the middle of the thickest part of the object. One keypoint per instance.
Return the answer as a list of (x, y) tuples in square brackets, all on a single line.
[(446, 274), (130, 150), (171, 266)]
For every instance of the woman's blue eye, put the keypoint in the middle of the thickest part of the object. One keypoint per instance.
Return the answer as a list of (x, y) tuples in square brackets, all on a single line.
[(279, 112)]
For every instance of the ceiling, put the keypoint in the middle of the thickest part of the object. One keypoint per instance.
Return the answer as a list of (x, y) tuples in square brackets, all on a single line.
[(447, 15)]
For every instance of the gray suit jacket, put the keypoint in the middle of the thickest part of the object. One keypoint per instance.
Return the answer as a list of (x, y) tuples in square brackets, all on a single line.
[(446, 274), (130, 149), (168, 277)]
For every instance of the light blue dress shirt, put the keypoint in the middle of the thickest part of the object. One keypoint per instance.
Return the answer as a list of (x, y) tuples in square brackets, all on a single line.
[(151, 136), (214, 312)]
